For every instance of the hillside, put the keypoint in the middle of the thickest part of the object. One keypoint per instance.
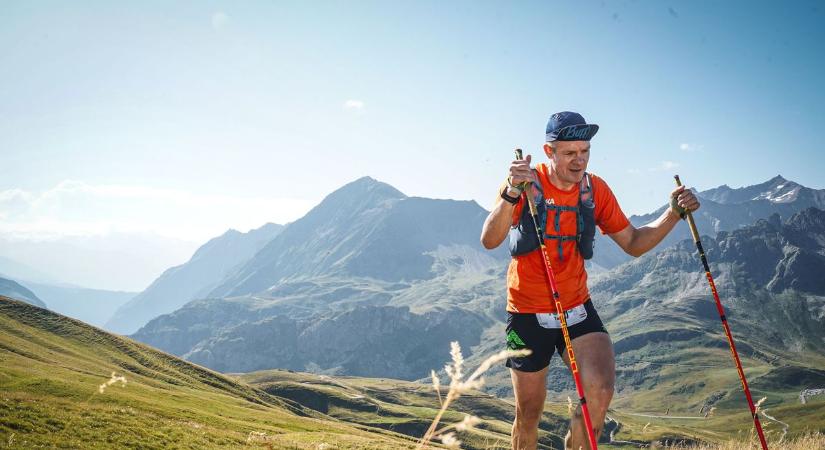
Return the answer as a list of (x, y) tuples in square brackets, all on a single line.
[(666, 330), (52, 367), (397, 405)]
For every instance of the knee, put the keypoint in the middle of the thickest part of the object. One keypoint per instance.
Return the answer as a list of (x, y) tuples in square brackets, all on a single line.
[(603, 390), (529, 413), (600, 395)]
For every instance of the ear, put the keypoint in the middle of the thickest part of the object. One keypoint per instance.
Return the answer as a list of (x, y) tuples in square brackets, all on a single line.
[(548, 150)]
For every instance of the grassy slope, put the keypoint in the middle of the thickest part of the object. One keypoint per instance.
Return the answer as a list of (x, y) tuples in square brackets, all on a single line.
[(51, 367), (401, 406)]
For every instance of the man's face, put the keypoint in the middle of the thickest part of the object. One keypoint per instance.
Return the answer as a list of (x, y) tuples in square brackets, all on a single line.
[(569, 159)]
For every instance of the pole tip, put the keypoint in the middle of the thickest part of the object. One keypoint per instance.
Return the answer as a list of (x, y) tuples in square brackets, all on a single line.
[(678, 181)]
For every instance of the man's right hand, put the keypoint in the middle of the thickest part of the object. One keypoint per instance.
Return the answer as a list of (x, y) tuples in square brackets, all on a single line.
[(520, 172)]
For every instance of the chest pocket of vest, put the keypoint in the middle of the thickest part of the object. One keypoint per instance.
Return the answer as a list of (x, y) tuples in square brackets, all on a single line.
[(523, 238), (553, 232)]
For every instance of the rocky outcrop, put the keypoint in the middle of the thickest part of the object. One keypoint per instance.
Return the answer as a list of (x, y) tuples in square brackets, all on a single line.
[(365, 341)]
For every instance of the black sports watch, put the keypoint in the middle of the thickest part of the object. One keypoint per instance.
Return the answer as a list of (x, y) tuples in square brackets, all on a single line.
[(507, 198)]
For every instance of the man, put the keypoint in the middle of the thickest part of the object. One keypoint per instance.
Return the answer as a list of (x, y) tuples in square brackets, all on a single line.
[(571, 202)]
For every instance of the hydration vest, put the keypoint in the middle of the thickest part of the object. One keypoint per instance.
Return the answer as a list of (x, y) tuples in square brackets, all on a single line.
[(523, 237)]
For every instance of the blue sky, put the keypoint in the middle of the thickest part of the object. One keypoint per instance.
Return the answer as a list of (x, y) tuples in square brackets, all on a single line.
[(187, 118)]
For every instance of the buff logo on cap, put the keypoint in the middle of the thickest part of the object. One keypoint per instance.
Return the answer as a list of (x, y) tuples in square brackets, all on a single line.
[(569, 126)]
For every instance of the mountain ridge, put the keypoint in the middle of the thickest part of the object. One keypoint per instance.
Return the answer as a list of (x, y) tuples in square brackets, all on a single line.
[(209, 264)]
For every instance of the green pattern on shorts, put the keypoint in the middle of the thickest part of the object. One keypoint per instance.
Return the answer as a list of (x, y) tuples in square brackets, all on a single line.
[(514, 341)]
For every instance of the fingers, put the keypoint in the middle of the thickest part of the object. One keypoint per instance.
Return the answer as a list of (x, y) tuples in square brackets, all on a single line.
[(520, 171), (685, 198)]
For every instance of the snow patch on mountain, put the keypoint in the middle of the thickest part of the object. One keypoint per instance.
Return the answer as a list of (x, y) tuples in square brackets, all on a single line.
[(780, 194)]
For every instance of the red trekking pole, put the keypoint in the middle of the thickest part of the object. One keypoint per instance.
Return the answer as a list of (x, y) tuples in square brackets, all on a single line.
[(548, 269), (721, 310)]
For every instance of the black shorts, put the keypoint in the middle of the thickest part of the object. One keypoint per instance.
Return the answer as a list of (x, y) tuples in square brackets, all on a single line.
[(523, 331)]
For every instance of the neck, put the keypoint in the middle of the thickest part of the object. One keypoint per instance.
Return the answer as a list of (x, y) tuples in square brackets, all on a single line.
[(558, 182)]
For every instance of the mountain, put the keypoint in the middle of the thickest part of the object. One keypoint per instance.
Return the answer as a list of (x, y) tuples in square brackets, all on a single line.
[(205, 269), (14, 290), (364, 229), (777, 190), (329, 325), (724, 209), (330, 315), (93, 306), (666, 329), (367, 270)]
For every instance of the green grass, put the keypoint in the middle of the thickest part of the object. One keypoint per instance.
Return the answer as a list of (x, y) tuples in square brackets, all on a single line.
[(51, 367), (402, 406)]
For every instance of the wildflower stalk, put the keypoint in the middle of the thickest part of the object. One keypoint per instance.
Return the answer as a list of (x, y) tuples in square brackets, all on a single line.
[(458, 387)]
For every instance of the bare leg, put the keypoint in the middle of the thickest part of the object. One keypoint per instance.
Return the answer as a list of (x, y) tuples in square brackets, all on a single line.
[(530, 389), (597, 370)]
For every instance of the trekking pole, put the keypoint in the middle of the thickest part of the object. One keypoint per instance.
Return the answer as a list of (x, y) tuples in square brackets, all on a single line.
[(548, 269), (722, 316)]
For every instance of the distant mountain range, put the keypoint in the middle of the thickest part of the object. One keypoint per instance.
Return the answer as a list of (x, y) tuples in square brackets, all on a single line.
[(93, 306), (325, 288), (14, 290), (210, 264), (724, 209), (342, 275), (114, 261), (660, 313)]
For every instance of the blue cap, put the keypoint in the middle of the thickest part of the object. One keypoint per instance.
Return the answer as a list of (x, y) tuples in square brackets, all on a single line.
[(569, 126)]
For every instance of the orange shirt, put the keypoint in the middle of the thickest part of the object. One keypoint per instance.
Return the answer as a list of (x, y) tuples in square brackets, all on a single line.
[(528, 290)]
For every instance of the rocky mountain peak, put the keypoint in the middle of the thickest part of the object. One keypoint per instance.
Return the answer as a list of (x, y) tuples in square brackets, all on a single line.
[(808, 220), (367, 187)]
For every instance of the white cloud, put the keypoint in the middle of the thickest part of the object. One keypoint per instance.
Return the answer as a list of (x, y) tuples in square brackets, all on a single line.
[(664, 166), (77, 208), (219, 20), (354, 105), (686, 147)]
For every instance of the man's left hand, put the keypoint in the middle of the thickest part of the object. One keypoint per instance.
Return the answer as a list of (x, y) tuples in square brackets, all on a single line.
[(683, 200)]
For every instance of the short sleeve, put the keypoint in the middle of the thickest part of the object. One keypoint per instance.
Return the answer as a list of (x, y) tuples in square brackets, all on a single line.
[(609, 215)]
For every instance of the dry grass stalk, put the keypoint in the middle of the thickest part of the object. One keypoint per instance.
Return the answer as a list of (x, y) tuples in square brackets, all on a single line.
[(458, 386), (759, 403), (809, 441), (114, 379)]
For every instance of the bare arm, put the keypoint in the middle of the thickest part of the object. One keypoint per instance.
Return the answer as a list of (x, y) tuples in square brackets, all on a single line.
[(497, 225), (638, 241)]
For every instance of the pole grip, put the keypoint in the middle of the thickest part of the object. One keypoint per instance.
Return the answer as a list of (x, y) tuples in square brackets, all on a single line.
[(689, 215), (526, 188)]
